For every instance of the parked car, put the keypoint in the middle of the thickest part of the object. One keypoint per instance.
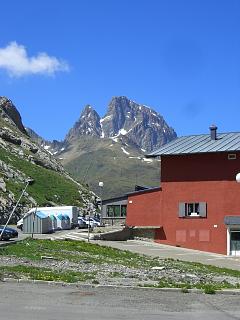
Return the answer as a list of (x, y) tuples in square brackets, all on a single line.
[(85, 221), (8, 233), (82, 223), (96, 221), (93, 222)]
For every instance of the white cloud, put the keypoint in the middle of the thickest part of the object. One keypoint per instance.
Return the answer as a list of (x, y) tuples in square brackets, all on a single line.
[(15, 60)]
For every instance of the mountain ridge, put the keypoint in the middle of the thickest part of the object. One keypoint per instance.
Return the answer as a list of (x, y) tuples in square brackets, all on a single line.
[(124, 117), (112, 148)]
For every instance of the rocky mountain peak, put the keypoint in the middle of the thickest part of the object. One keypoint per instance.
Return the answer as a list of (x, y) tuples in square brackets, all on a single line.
[(126, 120), (115, 117), (10, 113), (88, 124), (88, 109), (139, 123)]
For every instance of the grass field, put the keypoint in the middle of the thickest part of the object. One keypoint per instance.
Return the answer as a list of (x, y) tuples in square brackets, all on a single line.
[(92, 263)]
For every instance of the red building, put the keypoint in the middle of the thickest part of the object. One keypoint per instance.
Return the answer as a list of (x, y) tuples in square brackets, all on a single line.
[(197, 205)]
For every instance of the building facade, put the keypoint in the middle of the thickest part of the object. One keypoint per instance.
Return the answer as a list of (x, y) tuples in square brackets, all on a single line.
[(198, 203), (114, 210)]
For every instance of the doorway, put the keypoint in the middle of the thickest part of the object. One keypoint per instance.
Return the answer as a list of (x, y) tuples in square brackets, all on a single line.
[(235, 242)]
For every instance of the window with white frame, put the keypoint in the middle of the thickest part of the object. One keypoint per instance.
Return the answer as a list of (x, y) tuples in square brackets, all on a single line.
[(192, 209)]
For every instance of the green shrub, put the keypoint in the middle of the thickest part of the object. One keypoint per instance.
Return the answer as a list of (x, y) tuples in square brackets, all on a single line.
[(209, 289), (184, 290), (95, 281)]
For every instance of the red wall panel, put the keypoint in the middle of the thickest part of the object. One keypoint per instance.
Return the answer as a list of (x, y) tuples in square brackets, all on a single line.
[(207, 234), (144, 209), (199, 167)]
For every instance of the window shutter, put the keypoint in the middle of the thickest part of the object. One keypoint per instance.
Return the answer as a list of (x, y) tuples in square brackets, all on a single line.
[(181, 209), (203, 209)]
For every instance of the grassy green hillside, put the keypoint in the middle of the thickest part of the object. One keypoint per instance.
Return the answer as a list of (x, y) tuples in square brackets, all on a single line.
[(49, 185), (93, 160)]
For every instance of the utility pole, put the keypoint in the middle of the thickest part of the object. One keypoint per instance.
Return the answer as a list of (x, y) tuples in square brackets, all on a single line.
[(29, 181), (101, 184)]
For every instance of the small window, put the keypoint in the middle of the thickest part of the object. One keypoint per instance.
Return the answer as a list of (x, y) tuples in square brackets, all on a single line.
[(232, 156), (192, 209)]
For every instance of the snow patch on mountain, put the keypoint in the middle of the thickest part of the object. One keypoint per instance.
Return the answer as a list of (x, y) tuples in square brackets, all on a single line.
[(105, 118), (147, 160), (139, 158), (122, 132), (124, 151)]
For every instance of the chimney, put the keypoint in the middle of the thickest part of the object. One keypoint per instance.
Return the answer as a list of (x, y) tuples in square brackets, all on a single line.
[(213, 132)]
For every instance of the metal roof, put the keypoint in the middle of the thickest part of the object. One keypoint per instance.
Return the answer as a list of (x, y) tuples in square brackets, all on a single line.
[(115, 199), (232, 220), (200, 144), (144, 191)]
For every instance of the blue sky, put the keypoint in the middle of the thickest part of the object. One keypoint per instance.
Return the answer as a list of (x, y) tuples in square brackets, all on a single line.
[(181, 57)]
